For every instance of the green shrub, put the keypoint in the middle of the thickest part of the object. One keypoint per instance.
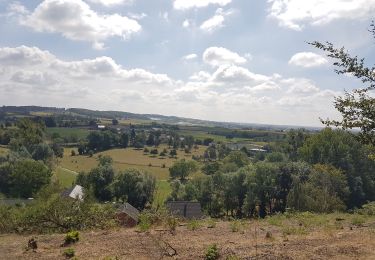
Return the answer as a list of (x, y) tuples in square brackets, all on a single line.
[(358, 220), (172, 224), (193, 224), (367, 209), (71, 237), (211, 223), (144, 222), (235, 226), (69, 252), (212, 253)]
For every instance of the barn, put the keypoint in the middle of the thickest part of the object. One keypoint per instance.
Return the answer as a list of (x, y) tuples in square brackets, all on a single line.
[(75, 192), (127, 215), (185, 209)]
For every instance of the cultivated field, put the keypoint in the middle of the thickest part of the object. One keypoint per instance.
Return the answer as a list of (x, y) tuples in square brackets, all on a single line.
[(68, 132), (305, 236)]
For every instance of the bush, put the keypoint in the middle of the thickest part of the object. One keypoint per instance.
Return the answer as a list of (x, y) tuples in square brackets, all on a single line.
[(193, 224), (52, 213), (172, 224), (211, 223), (69, 252), (235, 226), (71, 237), (73, 153), (367, 209), (146, 150), (212, 253), (145, 222)]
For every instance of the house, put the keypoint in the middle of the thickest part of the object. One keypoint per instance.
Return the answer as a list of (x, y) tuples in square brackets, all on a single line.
[(75, 192), (127, 215), (185, 209), (101, 127)]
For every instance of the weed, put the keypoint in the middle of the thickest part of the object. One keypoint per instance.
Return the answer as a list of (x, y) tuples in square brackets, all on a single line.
[(235, 226), (144, 222), (69, 252), (358, 220), (212, 253), (71, 237), (193, 224), (211, 223)]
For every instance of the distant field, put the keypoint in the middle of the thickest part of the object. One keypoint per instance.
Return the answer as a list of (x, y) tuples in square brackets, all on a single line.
[(3, 150), (68, 132), (127, 158), (163, 189), (125, 121)]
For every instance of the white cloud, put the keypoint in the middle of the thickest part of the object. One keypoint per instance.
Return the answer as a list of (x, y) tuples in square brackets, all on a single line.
[(215, 22), (188, 4), (229, 92), (191, 56), (186, 24), (111, 2), (75, 20), (216, 56), (295, 14), (307, 60)]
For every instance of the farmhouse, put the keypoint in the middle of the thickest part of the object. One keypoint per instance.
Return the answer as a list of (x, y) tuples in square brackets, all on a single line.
[(75, 192), (186, 209), (127, 215)]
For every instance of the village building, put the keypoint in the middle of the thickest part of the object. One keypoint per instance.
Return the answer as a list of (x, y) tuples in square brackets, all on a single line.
[(127, 215), (75, 192), (185, 209)]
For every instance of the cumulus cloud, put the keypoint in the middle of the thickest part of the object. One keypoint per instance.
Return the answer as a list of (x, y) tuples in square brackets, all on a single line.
[(186, 24), (215, 22), (228, 92), (75, 20), (191, 56), (188, 4), (111, 2), (295, 14), (216, 56), (307, 60)]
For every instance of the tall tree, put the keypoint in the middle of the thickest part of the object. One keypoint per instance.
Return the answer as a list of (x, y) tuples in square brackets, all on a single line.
[(357, 107)]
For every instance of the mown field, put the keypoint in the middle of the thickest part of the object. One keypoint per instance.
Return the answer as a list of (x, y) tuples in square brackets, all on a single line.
[(128, 158), (296, 236), (68, 132)]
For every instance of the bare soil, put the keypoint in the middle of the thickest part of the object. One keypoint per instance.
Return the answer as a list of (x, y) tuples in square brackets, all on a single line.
[(250, 242)]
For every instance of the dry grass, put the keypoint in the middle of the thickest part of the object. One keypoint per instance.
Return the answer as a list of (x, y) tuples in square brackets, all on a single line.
[(127, 158), (3, 151), (252, 243)]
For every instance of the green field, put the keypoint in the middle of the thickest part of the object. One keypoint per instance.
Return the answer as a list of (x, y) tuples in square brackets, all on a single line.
[(68, 132), (64, 176)]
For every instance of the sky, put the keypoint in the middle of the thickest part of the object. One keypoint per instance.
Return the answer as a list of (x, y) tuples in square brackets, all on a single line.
[(224, 60)]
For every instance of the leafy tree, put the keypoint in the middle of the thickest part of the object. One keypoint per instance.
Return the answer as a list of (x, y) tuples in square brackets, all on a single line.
[(57, 149), (42, 152), (135, 187), (341, 149), (182, 169), (211, 168), (115, 122), (207, 141), (357, 107), (124, 140), (239, 158), (28, 177), (99, 180)]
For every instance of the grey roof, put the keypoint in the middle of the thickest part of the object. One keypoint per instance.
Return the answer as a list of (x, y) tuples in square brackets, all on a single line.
[(129, 210), (186, 209)]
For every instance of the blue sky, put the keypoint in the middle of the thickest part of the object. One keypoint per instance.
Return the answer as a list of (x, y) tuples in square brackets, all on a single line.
[(223, 60)]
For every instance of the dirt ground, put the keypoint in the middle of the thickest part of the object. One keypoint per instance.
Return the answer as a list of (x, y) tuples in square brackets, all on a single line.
[(248, 243)]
